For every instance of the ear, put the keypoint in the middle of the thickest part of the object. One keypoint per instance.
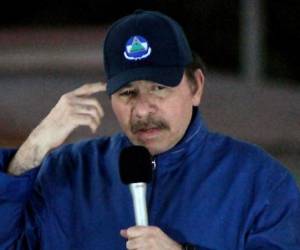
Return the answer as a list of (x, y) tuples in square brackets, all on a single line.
[(199, 86)]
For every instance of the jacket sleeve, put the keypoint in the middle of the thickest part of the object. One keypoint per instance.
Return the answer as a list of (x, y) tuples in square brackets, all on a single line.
[(277, 226), (15, 191)]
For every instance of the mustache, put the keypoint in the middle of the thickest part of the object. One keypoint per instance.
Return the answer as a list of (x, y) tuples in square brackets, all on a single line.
[(149, 123)]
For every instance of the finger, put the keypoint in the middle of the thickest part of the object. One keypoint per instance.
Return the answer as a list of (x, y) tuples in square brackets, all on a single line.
[(137, 243), (89, 102), (88, 109), (90, 88), (123, 233), (85, 120), (137, 231)]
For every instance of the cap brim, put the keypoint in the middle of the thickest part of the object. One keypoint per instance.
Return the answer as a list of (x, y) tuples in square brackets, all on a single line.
[(169, 76)]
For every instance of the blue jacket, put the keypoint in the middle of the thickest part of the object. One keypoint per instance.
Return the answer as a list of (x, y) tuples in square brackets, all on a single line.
[(209, 190)]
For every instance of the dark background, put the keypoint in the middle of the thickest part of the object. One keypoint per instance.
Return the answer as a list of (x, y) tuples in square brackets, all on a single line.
[(212, 26)]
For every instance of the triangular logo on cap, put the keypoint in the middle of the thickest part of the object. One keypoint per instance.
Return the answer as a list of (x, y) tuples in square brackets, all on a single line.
[(136, 45), (137, 48)]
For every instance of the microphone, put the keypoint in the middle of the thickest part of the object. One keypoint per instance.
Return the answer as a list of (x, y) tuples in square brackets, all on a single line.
[(135, 166)]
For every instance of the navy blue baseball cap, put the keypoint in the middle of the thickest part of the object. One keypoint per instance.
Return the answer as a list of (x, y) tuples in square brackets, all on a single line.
[(146, 45)]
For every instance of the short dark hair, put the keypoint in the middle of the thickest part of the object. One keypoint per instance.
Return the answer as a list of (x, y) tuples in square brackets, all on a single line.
[(197, 63), (190, 69)]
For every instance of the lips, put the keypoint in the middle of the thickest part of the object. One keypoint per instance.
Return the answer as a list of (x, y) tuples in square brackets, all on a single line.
[(147, 134), (149, 129)]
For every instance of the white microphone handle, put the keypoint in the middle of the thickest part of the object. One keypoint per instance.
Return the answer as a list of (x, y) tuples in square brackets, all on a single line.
[(138, 193)]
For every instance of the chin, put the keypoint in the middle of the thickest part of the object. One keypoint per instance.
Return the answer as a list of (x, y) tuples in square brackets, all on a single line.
[(154, 146), (151, 148), (157, 150)]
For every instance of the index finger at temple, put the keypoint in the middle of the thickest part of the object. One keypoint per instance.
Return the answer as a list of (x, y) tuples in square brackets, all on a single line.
[(90, 88)]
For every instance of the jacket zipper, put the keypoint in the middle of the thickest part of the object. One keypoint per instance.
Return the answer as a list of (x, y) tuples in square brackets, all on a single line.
[(153, 165), (151, 192)]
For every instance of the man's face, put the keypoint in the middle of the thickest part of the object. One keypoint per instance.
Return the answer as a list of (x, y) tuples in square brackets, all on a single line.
[(154, 115)]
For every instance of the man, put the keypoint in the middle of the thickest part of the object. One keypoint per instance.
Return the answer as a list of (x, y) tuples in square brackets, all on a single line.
[(208, 191)]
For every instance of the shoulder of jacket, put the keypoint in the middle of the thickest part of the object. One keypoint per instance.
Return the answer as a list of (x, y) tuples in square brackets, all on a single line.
[(247, 154)]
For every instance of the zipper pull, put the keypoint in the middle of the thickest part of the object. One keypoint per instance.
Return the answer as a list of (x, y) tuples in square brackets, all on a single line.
[(153, 165)]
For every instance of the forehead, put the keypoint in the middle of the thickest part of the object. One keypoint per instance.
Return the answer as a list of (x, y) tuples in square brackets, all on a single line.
[(141, 84)]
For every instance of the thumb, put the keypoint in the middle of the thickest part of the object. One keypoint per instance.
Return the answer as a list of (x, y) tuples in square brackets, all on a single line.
[(123, 233)]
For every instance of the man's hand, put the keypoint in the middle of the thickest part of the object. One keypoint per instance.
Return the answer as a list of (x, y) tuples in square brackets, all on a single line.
[(148, 238), (74, 109)]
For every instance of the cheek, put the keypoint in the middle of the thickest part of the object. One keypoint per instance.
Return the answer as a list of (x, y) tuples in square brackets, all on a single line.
[(180, 115)]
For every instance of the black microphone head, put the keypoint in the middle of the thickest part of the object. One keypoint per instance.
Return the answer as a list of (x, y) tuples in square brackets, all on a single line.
[(135, 165)]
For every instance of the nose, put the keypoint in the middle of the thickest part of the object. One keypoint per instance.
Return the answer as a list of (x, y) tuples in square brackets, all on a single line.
[(143, 106)]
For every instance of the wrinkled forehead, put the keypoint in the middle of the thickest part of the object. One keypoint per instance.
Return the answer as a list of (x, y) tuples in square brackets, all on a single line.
[(142, 84)]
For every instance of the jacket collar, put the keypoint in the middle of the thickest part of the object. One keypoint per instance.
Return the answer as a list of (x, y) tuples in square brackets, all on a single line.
[(193, 139)]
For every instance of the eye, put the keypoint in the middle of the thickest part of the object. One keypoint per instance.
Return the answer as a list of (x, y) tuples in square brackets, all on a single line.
[(128, 93), (159, 87)]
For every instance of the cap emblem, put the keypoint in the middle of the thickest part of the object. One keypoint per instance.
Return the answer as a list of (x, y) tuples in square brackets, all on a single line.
[(137, 48)]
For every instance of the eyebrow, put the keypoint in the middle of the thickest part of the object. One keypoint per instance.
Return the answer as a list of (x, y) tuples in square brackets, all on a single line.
[(130, 84), (127, 86)]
